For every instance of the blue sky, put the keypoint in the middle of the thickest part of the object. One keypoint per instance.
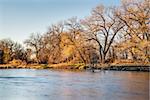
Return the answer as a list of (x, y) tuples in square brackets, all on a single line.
[(20, 18)]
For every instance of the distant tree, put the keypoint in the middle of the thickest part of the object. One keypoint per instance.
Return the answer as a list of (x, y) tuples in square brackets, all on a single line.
[(28, 54), (18, 52), (52, 42), (6, 46), (34, 42), (75, 35), (12, 50)]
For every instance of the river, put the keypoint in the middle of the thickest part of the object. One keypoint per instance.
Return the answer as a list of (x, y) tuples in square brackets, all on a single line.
[(29, 84)]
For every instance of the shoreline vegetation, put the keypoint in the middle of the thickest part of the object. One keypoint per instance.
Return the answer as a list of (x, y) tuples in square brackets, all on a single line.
[(110, 38), (81, 67)]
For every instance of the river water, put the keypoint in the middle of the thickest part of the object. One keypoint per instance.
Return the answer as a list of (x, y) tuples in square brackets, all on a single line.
[(27, 84)]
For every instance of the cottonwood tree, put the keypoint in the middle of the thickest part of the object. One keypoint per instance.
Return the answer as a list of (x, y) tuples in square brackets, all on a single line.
[(75, 36), (135, 15), (18, 52), (6, 45), (34, 42), (102, 27), (52, 41), (12, 50), (28, 53)]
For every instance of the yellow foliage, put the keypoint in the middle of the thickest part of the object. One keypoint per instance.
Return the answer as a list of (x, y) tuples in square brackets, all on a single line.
[(66, 45), (68, 50), (15, 62)]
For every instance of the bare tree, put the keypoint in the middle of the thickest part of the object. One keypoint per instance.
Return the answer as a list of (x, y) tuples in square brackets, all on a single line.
[(52, 41), (11, 50), (135, 15), (75, 36), (102, 27), (34, 42), (18, 52)]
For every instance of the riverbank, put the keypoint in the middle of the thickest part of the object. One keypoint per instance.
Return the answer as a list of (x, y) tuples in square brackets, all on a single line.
[(129, 67), (81, 66)]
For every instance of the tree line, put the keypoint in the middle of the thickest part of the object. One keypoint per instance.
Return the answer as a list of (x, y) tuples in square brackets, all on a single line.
[(109, 34)]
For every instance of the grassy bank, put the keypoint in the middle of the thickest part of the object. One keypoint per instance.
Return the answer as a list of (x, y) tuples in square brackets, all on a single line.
[(80, 66)]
